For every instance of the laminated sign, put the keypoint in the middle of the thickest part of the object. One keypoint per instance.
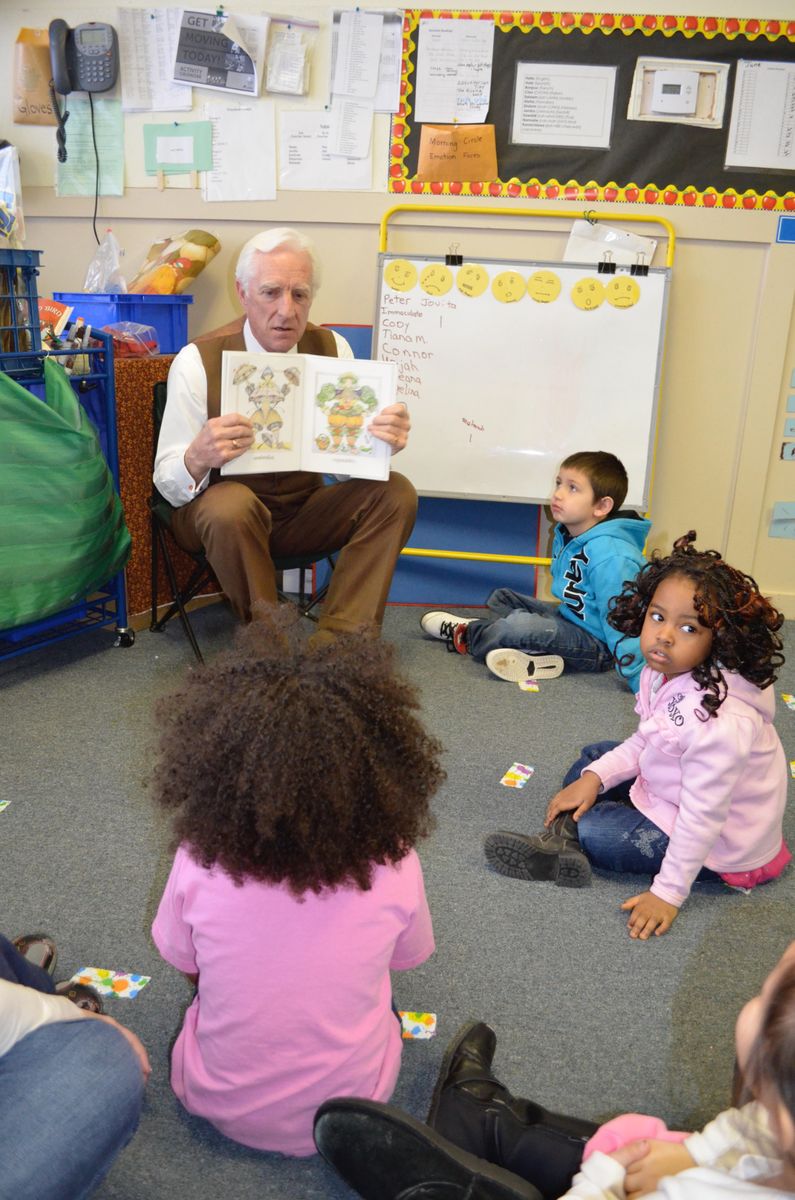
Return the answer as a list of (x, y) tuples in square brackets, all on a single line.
[(220, 51)]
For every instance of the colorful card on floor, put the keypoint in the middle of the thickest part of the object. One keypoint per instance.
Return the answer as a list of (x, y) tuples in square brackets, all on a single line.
[(788, 700), (125, 984), (517, 775), (528, 685), (4, 804), (792, 767), (418, 1026)]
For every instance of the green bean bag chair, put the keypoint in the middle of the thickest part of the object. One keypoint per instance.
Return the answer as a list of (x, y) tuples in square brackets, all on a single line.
[(62, 529)]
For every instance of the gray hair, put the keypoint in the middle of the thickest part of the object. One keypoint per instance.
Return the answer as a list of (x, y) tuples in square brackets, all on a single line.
[(275, 239)]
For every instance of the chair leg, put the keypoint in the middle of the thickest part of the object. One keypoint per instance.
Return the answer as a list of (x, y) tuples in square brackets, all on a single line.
[(310, 602), (178, 606)]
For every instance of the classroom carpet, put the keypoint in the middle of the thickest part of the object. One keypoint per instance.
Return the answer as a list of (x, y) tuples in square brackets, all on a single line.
[(588, 1021)]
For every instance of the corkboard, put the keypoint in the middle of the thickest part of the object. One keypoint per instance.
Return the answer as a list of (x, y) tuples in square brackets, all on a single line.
[(647, 162)]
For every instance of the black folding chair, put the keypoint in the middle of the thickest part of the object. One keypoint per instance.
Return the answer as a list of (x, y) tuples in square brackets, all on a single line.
[(163, 543)]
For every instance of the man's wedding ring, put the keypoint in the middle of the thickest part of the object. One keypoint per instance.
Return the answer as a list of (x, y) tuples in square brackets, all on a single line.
[(235, 443)]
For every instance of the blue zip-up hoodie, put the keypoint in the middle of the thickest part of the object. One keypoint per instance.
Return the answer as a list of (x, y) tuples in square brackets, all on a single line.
[(588, 570)]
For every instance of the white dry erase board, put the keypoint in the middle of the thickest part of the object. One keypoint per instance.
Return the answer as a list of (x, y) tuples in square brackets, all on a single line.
[(507, 367)]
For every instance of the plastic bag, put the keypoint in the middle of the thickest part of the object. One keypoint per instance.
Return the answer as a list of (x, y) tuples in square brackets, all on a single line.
[(104, 273), (62, 529), (173, 263), (12, 222), (131, 340)]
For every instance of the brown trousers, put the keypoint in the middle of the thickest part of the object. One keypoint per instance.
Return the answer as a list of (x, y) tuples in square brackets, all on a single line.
[(242, 527)]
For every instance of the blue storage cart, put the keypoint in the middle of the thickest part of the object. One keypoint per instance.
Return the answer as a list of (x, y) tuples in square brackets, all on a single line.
[(21, 357)]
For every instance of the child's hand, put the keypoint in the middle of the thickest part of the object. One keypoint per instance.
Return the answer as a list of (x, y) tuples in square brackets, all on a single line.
[(661, 1160), (139, 1050), (650, 915), (578, 796), (630, 1157)]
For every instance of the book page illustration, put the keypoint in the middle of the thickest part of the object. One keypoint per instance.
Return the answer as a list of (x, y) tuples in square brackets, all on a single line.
[(345, 399), (269, 393)]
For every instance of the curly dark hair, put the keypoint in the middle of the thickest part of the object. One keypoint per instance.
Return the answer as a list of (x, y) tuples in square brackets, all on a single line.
[(288, 762), (727, 601)]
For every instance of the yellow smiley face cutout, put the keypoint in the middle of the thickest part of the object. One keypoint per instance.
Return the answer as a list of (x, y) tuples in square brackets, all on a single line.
[(401, 275), (472, 280), (623, 291), (508, 287), (543, 287), (436, 279), (588, 294)]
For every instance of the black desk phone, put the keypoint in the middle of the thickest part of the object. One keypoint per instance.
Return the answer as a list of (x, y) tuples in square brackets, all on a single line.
[(83, 59)]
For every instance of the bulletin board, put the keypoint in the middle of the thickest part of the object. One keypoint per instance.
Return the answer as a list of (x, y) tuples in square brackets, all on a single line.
[(507, 367), (647, 162)]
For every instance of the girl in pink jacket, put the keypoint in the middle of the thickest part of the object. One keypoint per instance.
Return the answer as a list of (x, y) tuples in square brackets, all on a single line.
[(699, 789)]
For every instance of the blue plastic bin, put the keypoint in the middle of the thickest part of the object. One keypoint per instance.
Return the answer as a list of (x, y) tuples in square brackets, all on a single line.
[(168, 315)]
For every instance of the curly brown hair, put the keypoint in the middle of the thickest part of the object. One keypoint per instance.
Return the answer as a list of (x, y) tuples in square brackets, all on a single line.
[(287, 762), (727, 601)]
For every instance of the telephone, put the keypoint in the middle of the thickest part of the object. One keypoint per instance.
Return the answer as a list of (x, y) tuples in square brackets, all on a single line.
[(83, 59)]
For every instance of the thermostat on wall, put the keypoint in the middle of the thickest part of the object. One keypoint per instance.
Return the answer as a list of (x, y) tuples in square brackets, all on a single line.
[(679, 90), (675, 92)]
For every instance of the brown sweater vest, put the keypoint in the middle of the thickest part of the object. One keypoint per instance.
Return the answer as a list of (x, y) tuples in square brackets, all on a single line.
[(230, 337)]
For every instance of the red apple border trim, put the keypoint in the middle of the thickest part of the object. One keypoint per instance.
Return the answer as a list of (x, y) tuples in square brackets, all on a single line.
[(606, 23), (667, 197)]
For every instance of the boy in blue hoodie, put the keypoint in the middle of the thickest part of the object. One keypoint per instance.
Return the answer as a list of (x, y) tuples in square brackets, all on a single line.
[(595, 549)]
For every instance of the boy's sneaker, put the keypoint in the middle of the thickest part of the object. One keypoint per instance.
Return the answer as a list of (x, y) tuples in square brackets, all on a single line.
[(515, 665), (447, 627)]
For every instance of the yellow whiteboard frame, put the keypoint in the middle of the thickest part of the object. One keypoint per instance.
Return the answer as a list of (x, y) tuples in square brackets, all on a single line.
[(585, 215)]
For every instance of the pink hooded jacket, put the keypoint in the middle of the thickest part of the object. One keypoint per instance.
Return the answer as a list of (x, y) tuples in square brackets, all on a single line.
[(716, 787)]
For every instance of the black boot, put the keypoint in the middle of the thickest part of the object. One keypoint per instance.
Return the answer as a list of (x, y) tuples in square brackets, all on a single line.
[(472, 1109), (384, 1154), (552, 855)]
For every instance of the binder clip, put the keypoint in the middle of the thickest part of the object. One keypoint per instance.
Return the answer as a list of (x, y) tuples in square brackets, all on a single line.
[(606, 265), (640, 266), (453, 259)]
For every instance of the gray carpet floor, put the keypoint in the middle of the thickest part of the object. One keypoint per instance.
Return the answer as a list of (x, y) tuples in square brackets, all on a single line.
[(588, 1021)]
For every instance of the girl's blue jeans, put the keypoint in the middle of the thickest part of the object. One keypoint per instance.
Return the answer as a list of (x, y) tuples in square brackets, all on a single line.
[(614, 834), (70, 1098), (534, 627)]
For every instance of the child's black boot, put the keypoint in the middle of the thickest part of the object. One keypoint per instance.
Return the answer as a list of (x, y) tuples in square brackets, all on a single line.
[(553, 855), (472, 1109)]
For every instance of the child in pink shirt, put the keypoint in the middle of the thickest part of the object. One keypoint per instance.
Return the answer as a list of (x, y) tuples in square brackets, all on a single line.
[(300, 779), (699, 789)]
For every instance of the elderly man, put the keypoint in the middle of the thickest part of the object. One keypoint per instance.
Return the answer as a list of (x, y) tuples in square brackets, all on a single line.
[(242, 523)]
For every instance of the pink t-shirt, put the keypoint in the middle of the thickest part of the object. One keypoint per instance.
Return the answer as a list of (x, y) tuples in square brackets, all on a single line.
[(294, 997)]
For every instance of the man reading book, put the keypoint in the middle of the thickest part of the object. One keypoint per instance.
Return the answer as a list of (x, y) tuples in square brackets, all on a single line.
[(242, 523)]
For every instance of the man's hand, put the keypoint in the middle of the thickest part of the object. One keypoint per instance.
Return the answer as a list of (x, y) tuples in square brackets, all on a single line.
[(650, 915), (218, 441), (392, 426), (578, 796), (661, 1160)]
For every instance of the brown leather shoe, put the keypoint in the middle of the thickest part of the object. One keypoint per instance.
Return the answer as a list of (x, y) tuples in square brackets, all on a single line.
[(38, 949)]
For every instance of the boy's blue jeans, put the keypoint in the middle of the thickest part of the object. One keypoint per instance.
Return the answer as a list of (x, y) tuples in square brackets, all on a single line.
[(70, 1098), (534, 627), (614, 834)]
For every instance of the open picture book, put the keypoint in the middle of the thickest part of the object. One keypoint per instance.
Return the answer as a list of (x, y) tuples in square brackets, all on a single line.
[(309, 413)]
